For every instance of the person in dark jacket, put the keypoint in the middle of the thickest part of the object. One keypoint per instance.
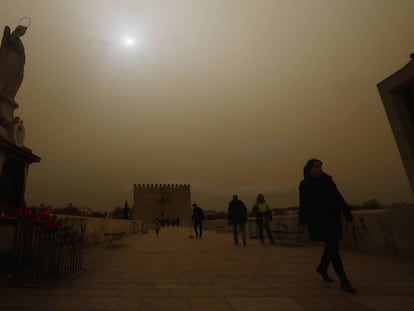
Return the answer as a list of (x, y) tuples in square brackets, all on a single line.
[(321, 206), (197, 218), (263, 218), (157, 226), (237, 216)]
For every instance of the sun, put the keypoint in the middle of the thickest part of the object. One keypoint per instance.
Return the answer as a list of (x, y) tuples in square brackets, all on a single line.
[(129, 41)]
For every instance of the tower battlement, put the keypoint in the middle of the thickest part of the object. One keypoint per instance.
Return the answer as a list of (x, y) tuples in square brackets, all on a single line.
[(161, 186), (162, 201)]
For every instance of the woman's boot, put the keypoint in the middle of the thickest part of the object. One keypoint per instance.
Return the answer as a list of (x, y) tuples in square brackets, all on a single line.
[(346, 285), (324, 274)]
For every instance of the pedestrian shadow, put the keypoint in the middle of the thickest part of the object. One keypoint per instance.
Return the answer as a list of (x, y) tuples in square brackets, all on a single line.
[(113, 245)]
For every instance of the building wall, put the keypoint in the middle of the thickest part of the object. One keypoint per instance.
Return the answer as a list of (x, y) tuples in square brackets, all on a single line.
[(162, 201), (397, 94)]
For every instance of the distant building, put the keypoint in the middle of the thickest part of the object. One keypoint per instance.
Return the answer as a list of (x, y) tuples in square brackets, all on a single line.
[(162, 201)]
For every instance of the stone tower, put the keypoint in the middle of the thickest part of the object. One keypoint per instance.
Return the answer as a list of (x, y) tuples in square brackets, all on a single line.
[(162, 201)]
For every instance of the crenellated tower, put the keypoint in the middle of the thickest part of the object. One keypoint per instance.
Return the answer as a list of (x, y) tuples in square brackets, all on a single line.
[(163, 201)]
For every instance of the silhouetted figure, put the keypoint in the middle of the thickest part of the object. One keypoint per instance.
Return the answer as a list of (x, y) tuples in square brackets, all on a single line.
[(237, 216), (197, 218), (263, 218), (126, 210), (157, 226), (12, 61), (177, 221), (321, 205)]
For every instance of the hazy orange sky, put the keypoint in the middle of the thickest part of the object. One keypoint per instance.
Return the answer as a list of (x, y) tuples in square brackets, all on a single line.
[(227, 96)]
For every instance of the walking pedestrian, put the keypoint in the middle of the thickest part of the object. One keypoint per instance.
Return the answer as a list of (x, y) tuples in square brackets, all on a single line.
[(157, 226), (263, 218), (237, 216), (197, 218), (321, 206)]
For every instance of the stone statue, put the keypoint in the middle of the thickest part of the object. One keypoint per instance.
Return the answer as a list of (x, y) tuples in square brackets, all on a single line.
[(12, 60)]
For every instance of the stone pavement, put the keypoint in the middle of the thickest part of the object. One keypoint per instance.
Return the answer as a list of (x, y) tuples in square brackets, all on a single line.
[(173, 272)]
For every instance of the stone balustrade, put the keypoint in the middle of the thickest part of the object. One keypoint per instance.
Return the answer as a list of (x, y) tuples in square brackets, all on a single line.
[(384, 231), (97, 227), (388, 231)]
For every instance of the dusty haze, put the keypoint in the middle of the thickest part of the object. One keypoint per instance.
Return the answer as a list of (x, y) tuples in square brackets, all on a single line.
[(228, 96)]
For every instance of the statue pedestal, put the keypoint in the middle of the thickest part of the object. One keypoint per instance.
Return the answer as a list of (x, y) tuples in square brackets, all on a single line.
[(14, 166), (15, 158)]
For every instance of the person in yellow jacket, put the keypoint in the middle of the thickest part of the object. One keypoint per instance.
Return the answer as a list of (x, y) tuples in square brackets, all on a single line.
[(263, 218)]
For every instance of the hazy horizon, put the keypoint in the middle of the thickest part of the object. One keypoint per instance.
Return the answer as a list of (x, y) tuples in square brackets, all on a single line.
[(227, 96)]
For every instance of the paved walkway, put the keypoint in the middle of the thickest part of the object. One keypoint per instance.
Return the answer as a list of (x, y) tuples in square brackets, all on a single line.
[(176, 273)]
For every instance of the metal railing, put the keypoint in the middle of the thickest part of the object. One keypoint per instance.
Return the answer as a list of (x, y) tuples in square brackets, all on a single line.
[(46, 255)]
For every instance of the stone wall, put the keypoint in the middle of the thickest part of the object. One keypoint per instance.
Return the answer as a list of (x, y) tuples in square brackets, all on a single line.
[(163, 201), (97, 227), (382, 231), (386, 231)]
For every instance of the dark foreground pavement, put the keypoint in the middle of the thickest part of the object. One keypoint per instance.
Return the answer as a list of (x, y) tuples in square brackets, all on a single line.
[(176, 273)]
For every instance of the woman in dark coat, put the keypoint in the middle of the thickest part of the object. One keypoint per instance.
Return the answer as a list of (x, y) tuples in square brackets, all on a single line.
[(321, 205)]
